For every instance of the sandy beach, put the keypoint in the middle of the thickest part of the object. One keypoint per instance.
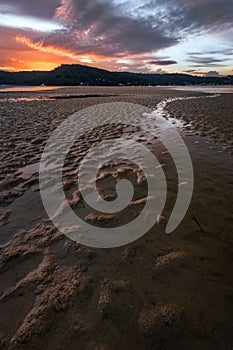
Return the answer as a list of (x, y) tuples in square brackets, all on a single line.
[(161, 290), (211, 118)]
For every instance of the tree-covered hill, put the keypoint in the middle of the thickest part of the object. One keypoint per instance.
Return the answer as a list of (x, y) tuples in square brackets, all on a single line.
[(72, 75)]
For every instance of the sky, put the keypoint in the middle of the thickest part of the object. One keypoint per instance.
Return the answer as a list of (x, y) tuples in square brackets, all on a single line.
[(148, 36)]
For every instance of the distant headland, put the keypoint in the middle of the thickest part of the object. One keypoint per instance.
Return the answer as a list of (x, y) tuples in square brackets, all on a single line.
[(75, 74)]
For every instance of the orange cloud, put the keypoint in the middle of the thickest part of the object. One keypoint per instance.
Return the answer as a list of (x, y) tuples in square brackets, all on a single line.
[(47, 57), (39, 46), (21, 50)]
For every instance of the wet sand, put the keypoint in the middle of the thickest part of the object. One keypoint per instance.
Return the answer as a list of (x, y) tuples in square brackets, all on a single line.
[(162, 291), (211, 117)]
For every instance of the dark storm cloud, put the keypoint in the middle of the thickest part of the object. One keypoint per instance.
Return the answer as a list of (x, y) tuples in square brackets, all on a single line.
[(112, 28), (108, 28), (34, 8), (163, 62), (210, 14), (193, 16), (102, 27)]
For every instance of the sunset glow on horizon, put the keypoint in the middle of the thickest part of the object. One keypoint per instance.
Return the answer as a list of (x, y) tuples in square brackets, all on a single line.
[(183, 36)]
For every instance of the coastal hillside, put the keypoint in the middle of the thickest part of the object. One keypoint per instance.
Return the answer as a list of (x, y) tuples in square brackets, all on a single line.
[(73, 75)]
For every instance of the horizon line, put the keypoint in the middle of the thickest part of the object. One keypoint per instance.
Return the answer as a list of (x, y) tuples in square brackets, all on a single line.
[(203, 75)]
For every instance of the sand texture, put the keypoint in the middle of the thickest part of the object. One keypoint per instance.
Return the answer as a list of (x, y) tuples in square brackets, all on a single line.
[(209, 117), (161, 292)]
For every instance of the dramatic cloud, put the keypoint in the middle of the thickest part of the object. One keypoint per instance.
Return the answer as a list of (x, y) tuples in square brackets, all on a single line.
[(190, 15), (113, 28), (104, 27), (23, 57), (163, 62), (119, 34)]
